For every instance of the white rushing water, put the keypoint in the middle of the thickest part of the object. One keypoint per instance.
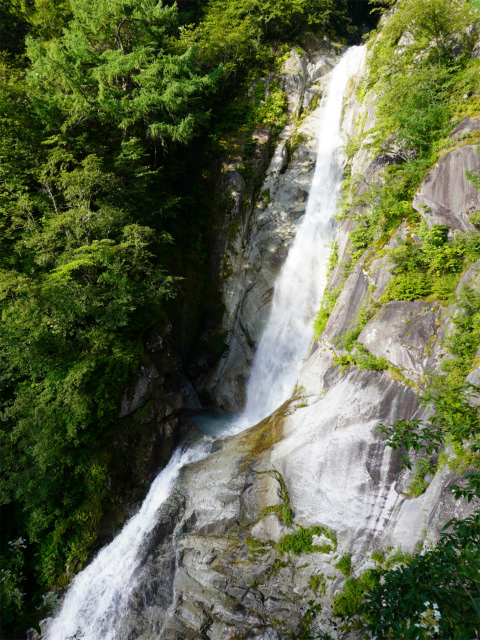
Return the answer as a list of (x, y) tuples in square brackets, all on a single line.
[(301, 282), (95, 604)]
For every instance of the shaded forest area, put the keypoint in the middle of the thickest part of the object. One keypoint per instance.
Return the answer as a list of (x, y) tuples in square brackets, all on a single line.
[(111, 114)]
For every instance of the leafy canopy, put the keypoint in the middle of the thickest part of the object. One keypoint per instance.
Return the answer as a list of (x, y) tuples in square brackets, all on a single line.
[(233, 33), (111, 64)]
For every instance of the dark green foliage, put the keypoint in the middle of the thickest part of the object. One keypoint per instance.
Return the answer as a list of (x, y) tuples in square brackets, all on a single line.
[(431, 266), (13, 28), (347, 604), (306, 632), (82, 280), (235, 33), (12, 581), (85, 232), (110, 65), (378, 557), (445, 579)]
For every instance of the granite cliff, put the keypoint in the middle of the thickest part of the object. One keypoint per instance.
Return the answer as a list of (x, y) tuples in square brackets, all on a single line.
[(319, 455), (222, 561)]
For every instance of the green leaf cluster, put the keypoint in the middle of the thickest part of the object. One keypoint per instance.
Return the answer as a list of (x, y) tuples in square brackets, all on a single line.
[(347, 603), (111, 64), (445, 579), (344, 565), (302, 541), (428, 263), (89, 111), (236, 33)]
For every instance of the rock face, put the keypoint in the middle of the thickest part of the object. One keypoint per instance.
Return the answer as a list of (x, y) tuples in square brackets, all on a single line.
[(221, 563), (256, 242), (446, 196), (152, 425), (466, 127), (405, 333)]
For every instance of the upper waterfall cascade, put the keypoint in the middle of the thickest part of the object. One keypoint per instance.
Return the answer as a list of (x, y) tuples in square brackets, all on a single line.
[(95, 604), (302, 279)]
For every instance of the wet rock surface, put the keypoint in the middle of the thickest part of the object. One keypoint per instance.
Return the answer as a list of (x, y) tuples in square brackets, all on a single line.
[(255, 241)]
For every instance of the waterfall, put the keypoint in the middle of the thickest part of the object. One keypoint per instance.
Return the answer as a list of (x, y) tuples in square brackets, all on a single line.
[(99, 596), (302, 279)]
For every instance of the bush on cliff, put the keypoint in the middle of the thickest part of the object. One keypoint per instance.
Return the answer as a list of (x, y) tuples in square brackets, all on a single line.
[(235, 33)]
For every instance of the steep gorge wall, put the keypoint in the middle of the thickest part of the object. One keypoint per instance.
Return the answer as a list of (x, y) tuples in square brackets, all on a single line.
[(252, 233), (256, 230), (218, 534), (153, 419)]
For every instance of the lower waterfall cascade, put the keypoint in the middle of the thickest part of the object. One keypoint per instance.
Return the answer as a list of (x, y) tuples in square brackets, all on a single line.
[(94, 605)]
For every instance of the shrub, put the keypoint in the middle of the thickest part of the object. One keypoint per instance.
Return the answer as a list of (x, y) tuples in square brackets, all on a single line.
[(302, 541), (347, 604), (345, 565), (445, 579)]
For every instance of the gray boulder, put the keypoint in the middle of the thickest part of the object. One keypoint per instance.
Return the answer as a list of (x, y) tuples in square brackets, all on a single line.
[(466, 127), (405, 333), (446, 196)]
